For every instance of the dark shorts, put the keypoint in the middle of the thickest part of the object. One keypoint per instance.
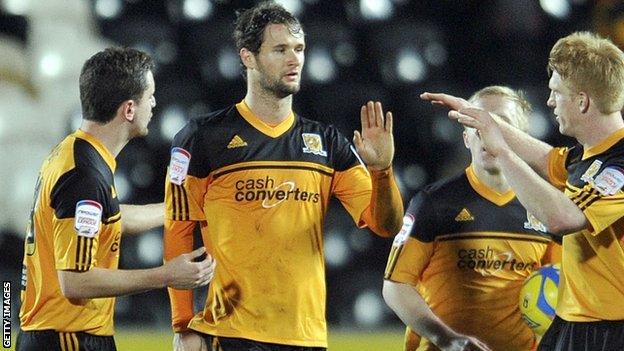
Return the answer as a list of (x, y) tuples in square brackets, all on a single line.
[(583, 336), (51, 340), (219, 343)]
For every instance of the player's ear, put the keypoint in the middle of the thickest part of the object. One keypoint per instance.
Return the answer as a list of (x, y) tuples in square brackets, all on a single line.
[(466, 141), (248, 58), (583, 102), (126, 110)]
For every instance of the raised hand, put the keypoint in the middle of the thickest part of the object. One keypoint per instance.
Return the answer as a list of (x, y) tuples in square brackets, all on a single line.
[(445, 100), (375, 144), (489, 131), (184, 273)]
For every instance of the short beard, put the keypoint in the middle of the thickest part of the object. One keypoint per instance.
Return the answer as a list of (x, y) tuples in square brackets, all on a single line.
[(279, 89)]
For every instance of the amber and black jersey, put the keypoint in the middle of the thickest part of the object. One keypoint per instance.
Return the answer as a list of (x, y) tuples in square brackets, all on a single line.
[(261, 193), (74, 225), (468, 249), (592, 270)]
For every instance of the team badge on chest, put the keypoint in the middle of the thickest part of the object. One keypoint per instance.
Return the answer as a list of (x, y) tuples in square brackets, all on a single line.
[(313, 144), (533, 223), (589, 174)]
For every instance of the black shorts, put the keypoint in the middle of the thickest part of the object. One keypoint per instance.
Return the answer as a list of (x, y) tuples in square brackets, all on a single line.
[(51, 340), (583, 336), (219, 343)]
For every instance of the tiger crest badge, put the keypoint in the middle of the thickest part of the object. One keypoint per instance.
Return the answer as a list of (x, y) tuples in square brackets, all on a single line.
[(313, 144)]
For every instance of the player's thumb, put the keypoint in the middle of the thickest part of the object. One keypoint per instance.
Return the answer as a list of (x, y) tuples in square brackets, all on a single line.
[(197, 252), (357, 139)]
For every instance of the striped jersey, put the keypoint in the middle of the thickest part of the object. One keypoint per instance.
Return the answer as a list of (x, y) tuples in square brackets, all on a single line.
[(74, 225)]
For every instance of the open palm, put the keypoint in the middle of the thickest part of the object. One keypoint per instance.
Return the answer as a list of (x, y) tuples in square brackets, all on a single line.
[(375, 144)]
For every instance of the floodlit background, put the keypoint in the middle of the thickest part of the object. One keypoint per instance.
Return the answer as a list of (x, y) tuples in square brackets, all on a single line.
[(387, 50)]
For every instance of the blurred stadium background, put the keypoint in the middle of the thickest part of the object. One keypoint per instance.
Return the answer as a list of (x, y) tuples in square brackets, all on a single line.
[(387, 50)]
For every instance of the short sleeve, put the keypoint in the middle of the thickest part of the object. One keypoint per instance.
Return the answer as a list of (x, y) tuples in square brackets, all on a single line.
[(407, 261), (557, 172), (603, 200), (78, 199), (413, 247), (421, 208), (187, 176)]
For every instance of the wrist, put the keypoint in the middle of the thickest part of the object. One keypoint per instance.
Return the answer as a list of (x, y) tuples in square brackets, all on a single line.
[(443, 338), (163, 276), (381, 170)]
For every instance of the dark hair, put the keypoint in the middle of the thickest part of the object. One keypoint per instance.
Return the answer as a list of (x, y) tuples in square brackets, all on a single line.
[(250, 24), (111, 77)]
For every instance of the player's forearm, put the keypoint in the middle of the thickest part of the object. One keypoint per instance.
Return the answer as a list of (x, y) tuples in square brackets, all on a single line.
[(178, 239), (140, 218), (100, 282), (549, 205), (386, 205), (412, 309), (533, 151)]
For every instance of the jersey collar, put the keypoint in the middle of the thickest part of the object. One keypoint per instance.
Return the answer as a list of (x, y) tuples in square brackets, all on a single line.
[(604, 145), (101, 149), (272, 131), (487, 192)]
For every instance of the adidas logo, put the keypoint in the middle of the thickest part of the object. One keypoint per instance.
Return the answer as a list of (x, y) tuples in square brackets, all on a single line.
[(464, 216), (236, 142)]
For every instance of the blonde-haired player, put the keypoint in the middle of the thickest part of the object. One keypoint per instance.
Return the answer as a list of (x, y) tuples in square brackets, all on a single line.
[(456, 268), (576, 192)]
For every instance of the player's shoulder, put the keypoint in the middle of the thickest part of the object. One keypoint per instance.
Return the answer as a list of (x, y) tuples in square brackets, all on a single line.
[(202, 126), (80, 177), (215, 117), (433, 195), (616, 152), (426, 211), (447, 187), (316, 126), (89, 162), (575, 154)]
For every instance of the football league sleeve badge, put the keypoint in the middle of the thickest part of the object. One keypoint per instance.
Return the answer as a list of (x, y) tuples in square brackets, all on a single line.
[(179, 165), (401, 237), (609, 181), (88, 218)]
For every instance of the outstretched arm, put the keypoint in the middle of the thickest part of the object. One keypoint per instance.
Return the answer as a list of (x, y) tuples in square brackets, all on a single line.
[(137, 219), (549, 205), (533, 151), (181, 273), (375, 144)]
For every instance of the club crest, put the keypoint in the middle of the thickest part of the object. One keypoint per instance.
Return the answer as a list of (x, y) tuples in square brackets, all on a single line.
[(313, 144), (533, 223), (588, 176)]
